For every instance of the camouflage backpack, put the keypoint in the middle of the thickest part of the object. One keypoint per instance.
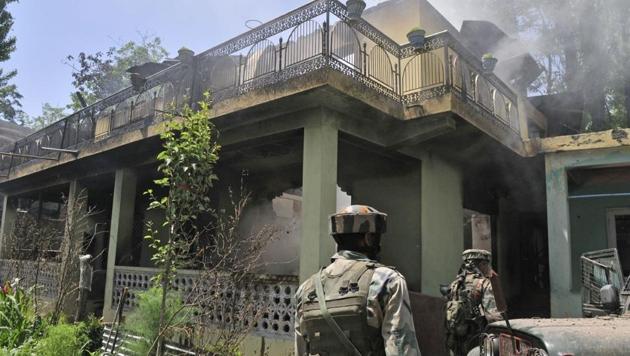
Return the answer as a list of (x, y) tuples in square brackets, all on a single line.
[(463, 316), (334, 313)]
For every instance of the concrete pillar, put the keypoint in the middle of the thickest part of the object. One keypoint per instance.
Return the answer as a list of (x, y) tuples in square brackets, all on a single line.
[(442, 223), (398, 196), (563, 302), (319, 185), (120, 232), (9, 214)]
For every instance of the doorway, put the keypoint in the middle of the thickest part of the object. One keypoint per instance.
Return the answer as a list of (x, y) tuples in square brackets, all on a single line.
[(618, 226)]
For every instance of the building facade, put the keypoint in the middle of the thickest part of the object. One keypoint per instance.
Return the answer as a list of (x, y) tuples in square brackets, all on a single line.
[(320, 111)]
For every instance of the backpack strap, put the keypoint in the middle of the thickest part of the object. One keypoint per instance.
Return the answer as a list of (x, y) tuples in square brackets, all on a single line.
[(321, 299)]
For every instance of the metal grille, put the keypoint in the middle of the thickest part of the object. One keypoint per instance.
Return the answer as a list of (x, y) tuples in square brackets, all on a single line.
[(319, 36), (344, 45), (305, 42), (484, 93), (122, 114), (165, 99), (598, 269), (224, 73), (260, 60), (500, 107), (143, 105), (380, 67), (423, 71)]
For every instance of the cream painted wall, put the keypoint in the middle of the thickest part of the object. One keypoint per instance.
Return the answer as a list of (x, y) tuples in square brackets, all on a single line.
[(408, 14)]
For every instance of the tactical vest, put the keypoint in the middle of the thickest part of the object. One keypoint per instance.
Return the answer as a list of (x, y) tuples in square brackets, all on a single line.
[(346, 304), (464, 320)]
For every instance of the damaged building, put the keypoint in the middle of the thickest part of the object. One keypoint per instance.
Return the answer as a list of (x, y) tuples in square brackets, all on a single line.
[(321, 111)]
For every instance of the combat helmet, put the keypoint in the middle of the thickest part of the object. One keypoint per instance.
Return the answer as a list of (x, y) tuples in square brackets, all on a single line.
[(476, 254), (358, 219)]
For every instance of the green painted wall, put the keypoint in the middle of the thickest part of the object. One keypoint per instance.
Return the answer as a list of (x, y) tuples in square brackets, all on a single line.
[(399, 197), (569, 235), (442, 227), (319, 180)]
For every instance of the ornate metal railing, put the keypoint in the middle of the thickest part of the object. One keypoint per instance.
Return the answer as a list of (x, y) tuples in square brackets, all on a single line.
[(272, 295), (313, 37), (41, 275)]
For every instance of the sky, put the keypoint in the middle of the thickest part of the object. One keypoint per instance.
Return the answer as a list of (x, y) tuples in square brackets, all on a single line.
[(48, 31)]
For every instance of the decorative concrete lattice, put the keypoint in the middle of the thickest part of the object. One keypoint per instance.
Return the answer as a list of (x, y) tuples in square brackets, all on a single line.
[(271, 296), (30, 273)]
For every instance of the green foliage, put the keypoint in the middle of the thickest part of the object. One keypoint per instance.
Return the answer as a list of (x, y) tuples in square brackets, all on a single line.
[(93, 331), (50, 114), (22, 332), (190, 152), (101, 74), (62, 339), (17, 320), (9, 96), (187, 161), (487, 56), (144, 320)]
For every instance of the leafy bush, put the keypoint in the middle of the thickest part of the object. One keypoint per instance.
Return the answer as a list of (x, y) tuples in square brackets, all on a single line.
[(62, 339), (93, 330), (144, 320), (17, 320)]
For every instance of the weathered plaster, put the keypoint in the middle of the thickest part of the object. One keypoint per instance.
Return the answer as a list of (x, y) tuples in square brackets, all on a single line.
[(586, 141)]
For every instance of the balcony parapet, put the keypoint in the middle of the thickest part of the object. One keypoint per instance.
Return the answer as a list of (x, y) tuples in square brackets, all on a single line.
[(316, 36), (41, 275), (272, 295)]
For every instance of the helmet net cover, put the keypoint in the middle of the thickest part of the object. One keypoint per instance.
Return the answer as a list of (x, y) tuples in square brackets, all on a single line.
[(358, 219), (476, 254)]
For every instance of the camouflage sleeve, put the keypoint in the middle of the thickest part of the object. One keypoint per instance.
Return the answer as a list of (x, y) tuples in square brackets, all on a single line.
[(397, 328), (300, 343), (489, 305)]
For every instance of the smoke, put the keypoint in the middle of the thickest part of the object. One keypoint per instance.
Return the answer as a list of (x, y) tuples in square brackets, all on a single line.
[(578, 43), (281, 255)]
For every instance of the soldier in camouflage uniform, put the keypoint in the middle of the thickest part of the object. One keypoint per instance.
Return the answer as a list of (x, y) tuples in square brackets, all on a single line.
[(366, 309), (470, 302)]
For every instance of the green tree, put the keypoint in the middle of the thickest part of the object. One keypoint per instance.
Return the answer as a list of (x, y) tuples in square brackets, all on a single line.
[(581, 45), (187, 161), (101, 74), (50, 114), (9, 96)]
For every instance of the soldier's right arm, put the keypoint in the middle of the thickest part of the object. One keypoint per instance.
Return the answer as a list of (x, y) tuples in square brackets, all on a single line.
[(397, 328), (300, 342), (489, 304)]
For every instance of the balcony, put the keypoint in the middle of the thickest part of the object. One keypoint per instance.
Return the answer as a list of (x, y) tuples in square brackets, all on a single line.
[(315, 38)]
